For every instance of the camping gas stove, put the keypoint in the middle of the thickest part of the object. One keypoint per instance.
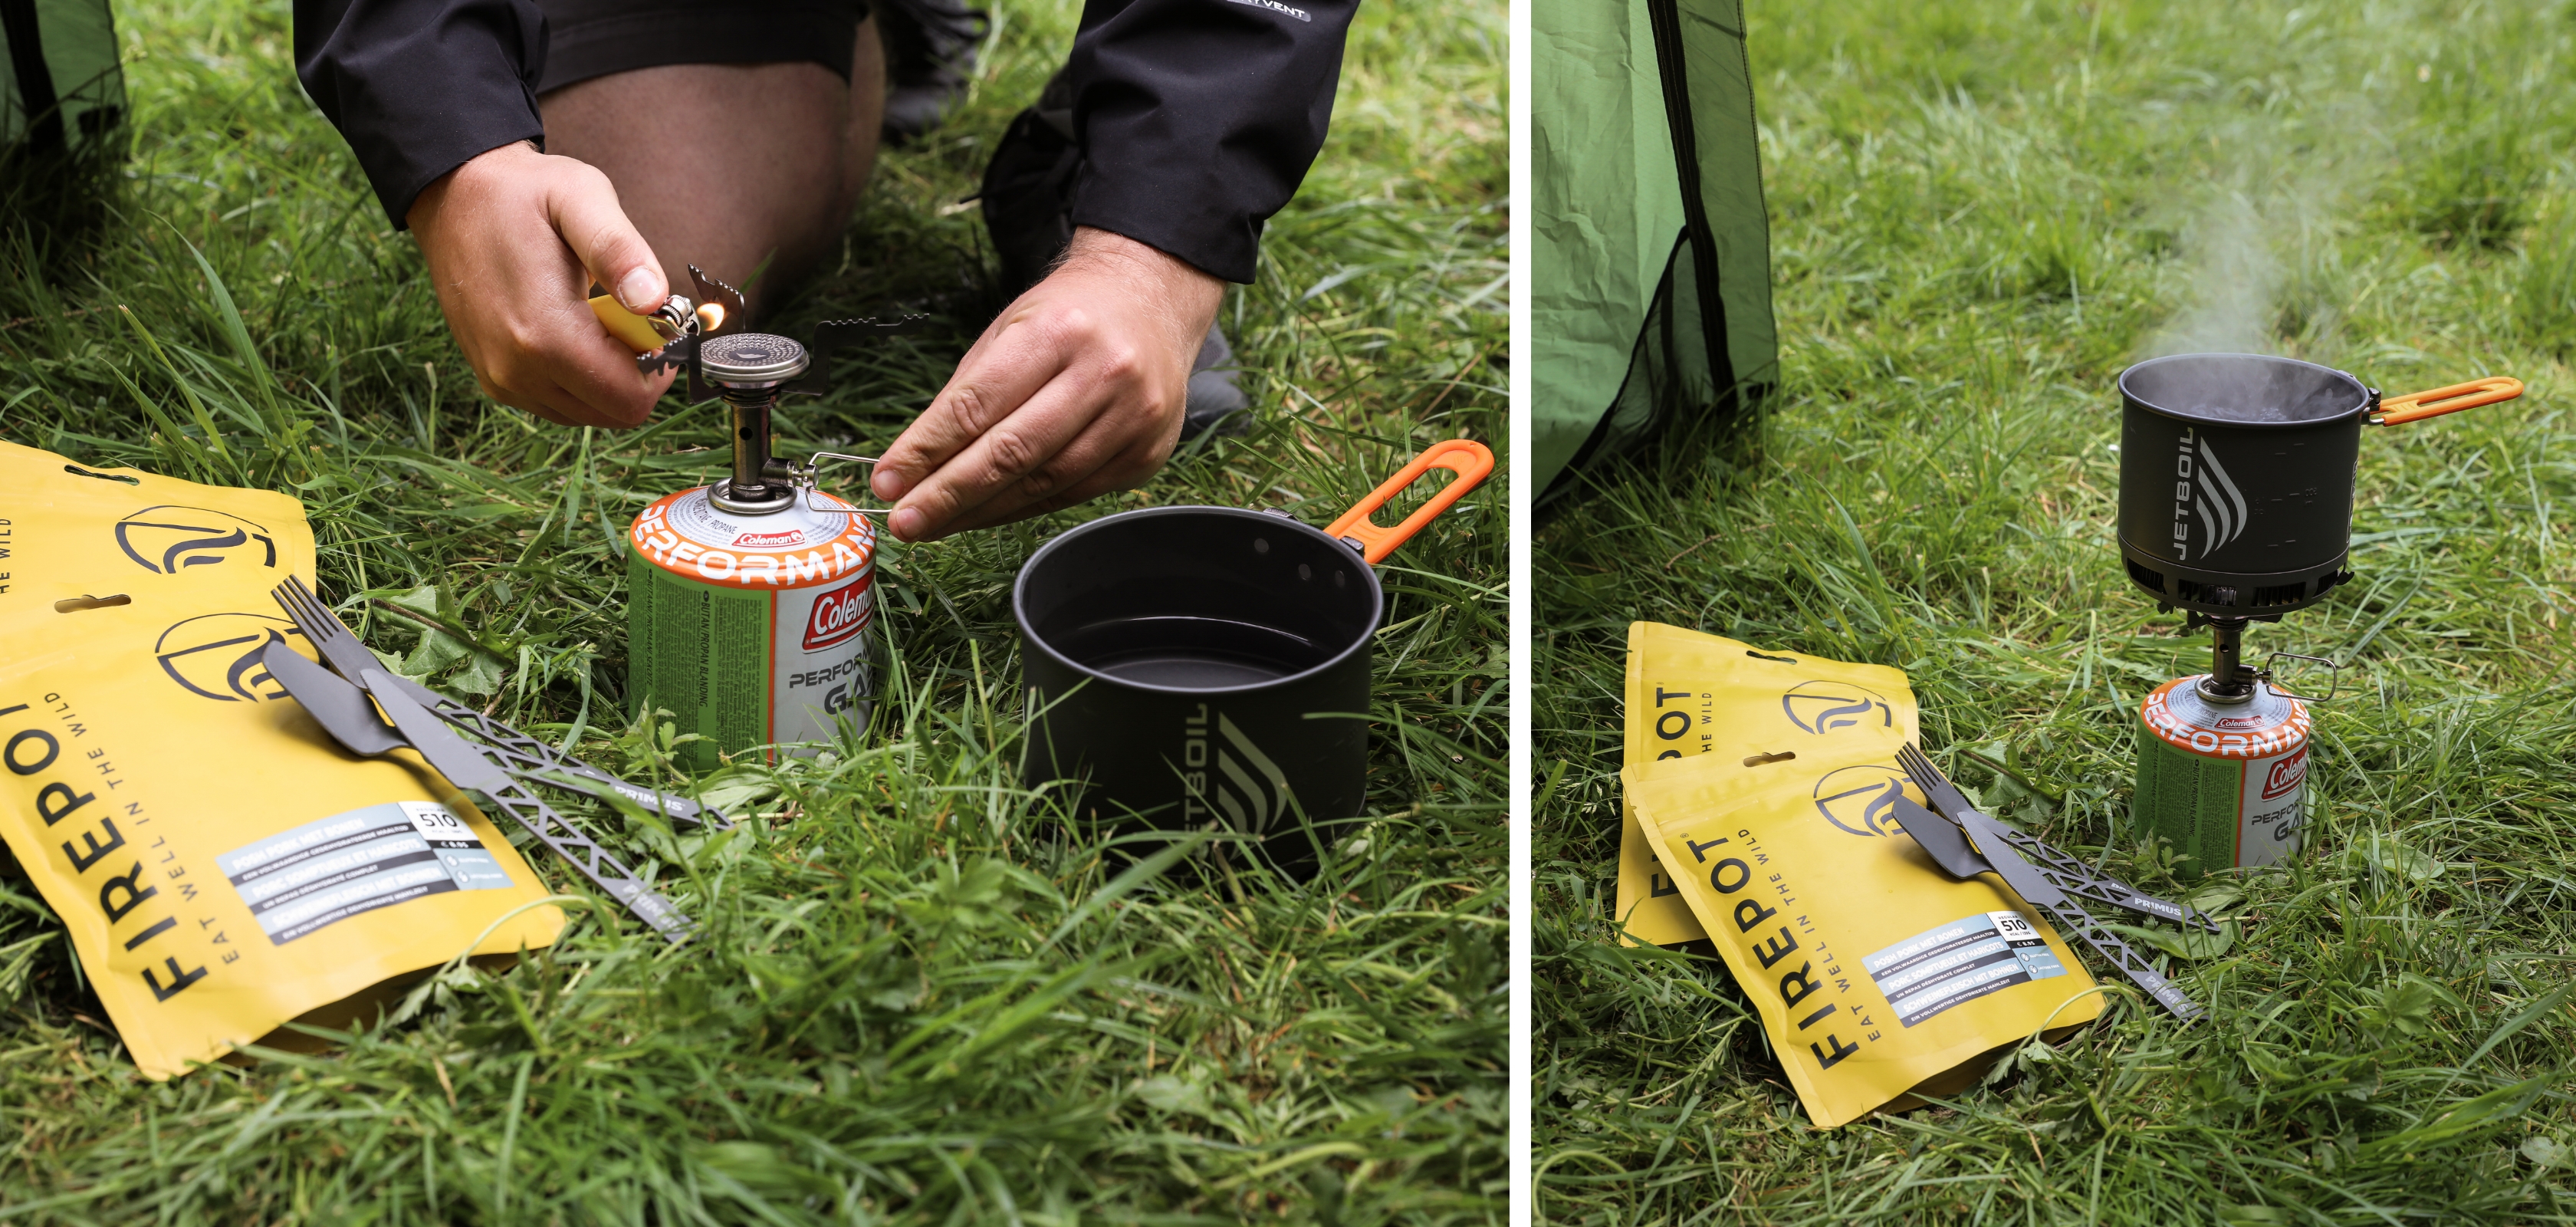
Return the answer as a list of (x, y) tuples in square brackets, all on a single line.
[(2236, 491), (749, 599)]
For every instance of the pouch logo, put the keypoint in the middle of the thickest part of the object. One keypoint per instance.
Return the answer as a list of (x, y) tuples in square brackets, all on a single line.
[(2203, 492), (1822, 707), (216, 656), (1860, 800), (839, 614), (165, 538), (2286, 775), (1250, 789)]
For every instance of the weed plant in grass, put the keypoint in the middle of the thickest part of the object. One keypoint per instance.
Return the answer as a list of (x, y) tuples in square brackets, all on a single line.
[(913, 997), (1982, 213)]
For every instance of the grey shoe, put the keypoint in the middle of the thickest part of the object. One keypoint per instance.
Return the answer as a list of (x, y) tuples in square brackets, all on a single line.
[(1027, 198), (930, 56), (1216, 406)]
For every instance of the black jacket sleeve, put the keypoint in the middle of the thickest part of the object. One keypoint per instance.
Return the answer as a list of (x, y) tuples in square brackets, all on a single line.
[(418, 87), (1199, 118)]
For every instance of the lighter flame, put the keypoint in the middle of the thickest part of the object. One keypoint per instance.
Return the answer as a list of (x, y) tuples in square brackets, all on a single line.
[(711, 317)]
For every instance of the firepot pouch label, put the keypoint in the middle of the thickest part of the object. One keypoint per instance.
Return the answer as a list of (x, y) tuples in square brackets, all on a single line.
[(304, 880), (1960, 962), (1875, 975), (1691, 694), (219, 866)]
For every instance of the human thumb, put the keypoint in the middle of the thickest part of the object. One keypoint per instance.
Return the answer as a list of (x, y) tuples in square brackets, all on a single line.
[(587, 215)]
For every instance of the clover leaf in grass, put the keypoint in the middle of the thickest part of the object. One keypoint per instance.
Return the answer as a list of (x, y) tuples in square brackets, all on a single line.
[(1395, 1101), (2214, 898), (978, 896), (482, 675), (2187, 944), (437, 650), (2254, 1214), (2411, 1004), (427, 598), (2389, 855), (1167, 1093), (738, 788)]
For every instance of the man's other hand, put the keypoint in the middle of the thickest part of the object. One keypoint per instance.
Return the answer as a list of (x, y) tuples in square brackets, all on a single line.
[(514, 240), (1076, 390)]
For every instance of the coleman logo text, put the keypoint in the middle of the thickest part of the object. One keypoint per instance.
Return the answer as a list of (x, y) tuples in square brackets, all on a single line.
[(839, 614), (2285, 775)]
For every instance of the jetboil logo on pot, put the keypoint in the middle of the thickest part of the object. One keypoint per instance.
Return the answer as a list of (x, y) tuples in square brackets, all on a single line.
[(839, 614), (163, 539), (1250, 799), (2203, 492)]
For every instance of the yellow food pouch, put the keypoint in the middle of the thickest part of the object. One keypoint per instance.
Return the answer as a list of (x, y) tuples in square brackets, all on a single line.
[(1875, 974), (220, 866), (68, 531), (1692, 694)]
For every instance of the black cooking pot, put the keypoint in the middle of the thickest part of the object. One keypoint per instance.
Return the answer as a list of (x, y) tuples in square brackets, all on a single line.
[(1198, 666), (2236, 475)]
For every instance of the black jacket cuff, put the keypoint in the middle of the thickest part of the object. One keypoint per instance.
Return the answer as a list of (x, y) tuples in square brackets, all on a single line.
[(1199, 118), (419, 87)]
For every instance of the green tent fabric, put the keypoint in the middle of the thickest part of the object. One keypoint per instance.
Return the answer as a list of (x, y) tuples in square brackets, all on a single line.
[(60, 85), (1650, 256)]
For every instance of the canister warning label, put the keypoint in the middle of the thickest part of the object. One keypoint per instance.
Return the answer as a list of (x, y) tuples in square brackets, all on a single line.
[(1960, 962), (302, 881)]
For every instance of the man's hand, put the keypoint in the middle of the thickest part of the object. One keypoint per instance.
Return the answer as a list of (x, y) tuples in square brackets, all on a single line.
[(514, 239), (1076, 390)]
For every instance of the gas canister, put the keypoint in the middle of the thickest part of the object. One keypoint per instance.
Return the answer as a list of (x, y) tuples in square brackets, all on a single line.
[(748, 600), (2225, 783), (750, 629)]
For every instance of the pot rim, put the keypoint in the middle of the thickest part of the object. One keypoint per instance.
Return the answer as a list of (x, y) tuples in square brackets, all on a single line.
[(2364, 395), (1359, 643)]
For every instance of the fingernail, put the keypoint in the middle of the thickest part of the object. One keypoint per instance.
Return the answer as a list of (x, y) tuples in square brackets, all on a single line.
[(637, 291), (906, 523), (886, 483)]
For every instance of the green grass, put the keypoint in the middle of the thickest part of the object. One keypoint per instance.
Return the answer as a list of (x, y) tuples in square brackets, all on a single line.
[(1982, 212), (912, 999)]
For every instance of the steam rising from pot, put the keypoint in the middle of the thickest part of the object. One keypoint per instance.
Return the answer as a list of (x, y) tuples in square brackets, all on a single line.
[(2260, 232), (2236, 282)]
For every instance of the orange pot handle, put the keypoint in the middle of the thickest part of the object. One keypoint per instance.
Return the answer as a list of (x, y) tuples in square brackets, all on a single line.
[(2397, 410), (1470, 460)]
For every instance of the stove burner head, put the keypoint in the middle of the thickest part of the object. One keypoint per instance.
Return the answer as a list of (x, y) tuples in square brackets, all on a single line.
[(750, 359)]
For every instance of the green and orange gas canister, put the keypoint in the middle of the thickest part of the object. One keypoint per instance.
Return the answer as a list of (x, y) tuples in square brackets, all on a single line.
[(751, 631), (2223, 783), (750, 600)]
